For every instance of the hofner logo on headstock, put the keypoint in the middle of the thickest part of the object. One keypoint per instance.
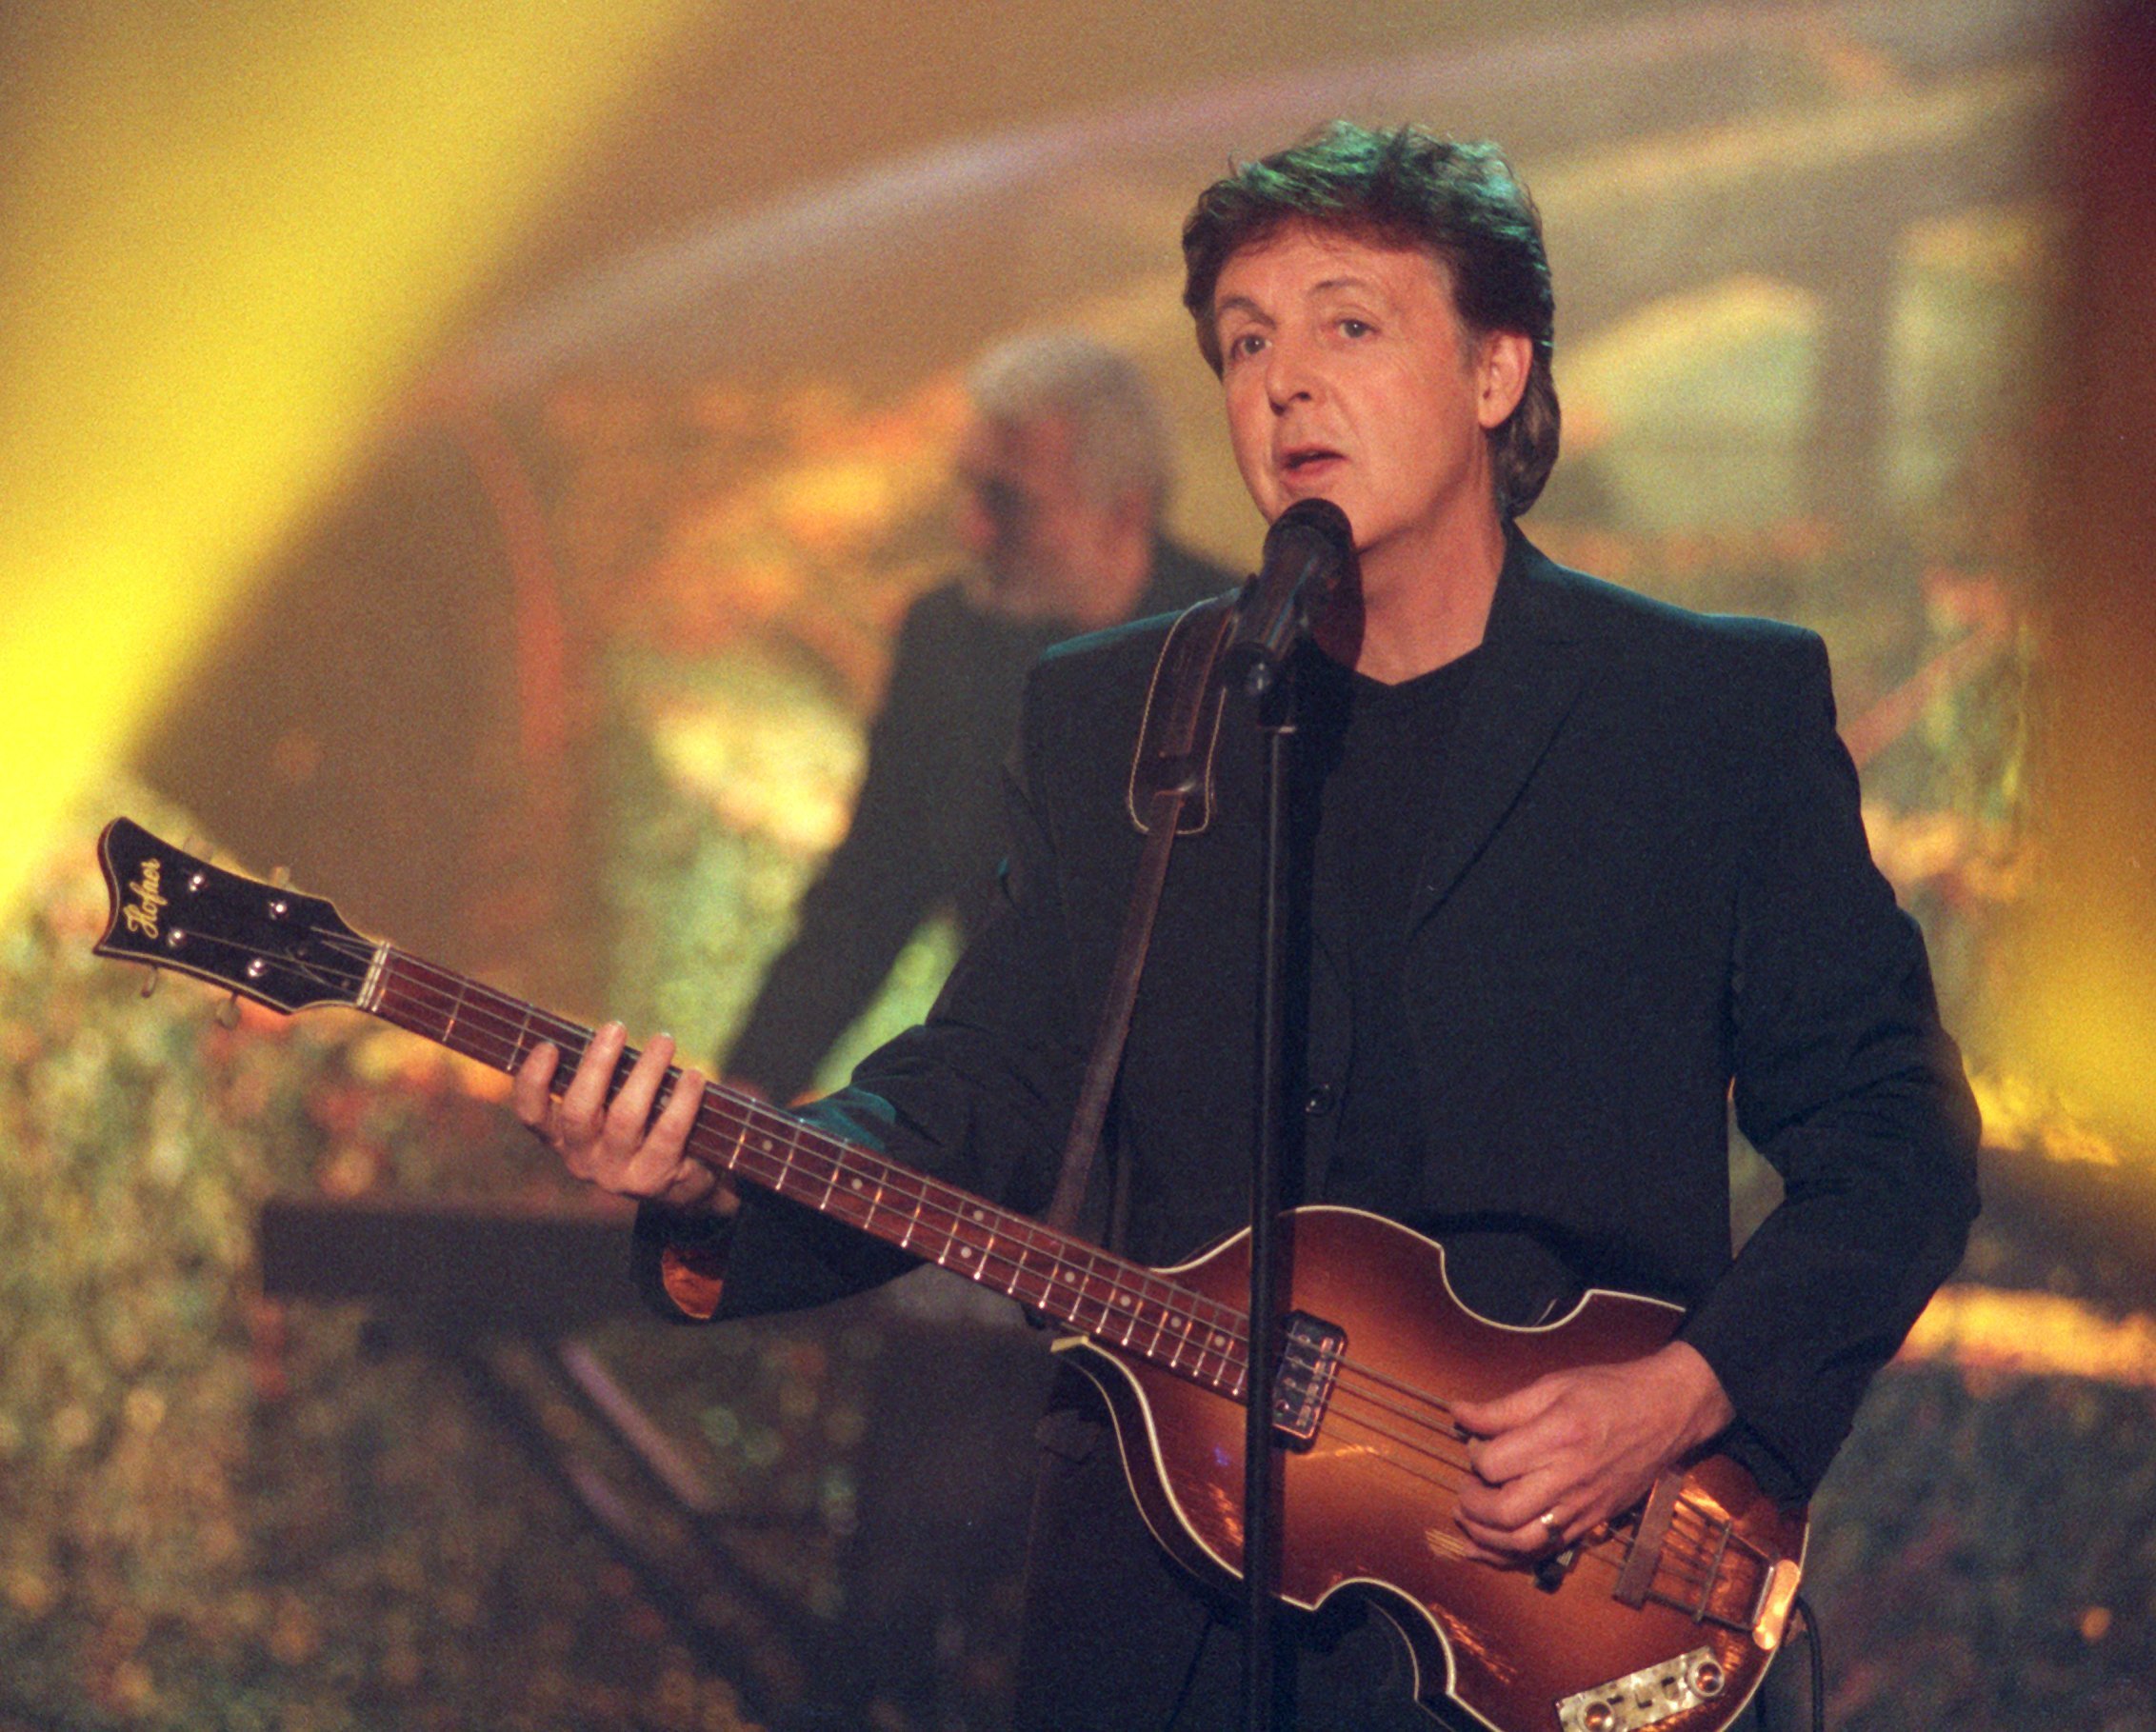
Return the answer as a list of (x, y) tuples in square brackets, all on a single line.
[(141, 912)]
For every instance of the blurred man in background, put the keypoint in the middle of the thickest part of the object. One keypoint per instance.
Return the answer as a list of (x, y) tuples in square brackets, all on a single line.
[(1063, 471)]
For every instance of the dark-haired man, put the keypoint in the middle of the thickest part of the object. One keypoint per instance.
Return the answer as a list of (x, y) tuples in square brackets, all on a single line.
[(1577, 865)]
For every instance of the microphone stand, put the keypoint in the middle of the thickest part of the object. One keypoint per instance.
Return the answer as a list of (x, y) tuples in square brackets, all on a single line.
[(1261, 1560), (1309, 551)]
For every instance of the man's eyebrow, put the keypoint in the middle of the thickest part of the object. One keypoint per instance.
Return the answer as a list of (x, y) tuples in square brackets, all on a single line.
[(1364, 285), (1238, 303)]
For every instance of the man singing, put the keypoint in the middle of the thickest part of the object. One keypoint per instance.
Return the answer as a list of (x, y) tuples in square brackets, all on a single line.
[(1579, 869)]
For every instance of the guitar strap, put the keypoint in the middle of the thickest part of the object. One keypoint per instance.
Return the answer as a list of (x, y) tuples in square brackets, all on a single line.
[(1170, 794)]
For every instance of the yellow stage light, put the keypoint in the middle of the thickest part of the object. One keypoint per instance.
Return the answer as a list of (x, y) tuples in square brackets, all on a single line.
[(230, 237)]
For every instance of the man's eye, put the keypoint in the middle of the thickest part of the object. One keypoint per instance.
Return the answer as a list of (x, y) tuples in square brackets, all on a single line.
[(1246, 342), (1354, 327)]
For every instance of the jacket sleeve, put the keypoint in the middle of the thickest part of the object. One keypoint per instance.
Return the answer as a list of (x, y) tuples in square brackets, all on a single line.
[(1846, 1081)]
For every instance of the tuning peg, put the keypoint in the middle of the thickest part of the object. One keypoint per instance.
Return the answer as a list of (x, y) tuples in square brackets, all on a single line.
[(229, 1012), (149, 980)]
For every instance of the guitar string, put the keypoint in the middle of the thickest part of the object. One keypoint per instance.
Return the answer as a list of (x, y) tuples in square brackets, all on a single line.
[(469, 1010), (1702, 1575), (1134, 1320), (1133, 1314), (749, 1125), (1687, 1569), (1682, 1563), (418, 980)]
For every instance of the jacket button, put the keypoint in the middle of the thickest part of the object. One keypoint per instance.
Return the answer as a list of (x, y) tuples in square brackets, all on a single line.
[(1321, 1100)]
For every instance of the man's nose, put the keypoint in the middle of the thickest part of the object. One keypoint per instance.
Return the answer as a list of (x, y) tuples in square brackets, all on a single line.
[(974, 530), (989, 513), (1291, 376)]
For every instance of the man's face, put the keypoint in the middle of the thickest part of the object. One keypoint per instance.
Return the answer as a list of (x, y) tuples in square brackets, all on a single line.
[(1023, 513), (1350, 377)]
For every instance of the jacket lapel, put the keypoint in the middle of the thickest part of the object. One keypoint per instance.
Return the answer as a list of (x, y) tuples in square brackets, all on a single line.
[(1532, 668)]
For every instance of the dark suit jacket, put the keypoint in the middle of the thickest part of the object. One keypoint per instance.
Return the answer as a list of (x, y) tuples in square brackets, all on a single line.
[(1650, 881), (927, 829)]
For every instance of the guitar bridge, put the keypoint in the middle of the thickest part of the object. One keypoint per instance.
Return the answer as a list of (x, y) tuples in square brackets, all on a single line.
[(1646, 1696), (1309, 1364)]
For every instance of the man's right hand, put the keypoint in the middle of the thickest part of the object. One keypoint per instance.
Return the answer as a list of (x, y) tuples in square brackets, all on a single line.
[(623, 1148)]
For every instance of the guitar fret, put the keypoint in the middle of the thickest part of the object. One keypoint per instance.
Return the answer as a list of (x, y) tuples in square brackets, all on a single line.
[(1168, 1327), (1165, 1315), (968, 1256), (1105, 1302), (1124, 1304), (1088, 1294), (1029, 1266), (1204, 1342), (787, 1176), (1069, 1292), (857, 1195), (1076, 1285), (457, 1009), (830, 1184), (947, 1231), (1082, 1287), (1173, 1327)]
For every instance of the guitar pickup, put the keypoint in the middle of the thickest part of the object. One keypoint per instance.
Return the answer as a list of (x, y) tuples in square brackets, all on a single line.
[(1309, 1365)]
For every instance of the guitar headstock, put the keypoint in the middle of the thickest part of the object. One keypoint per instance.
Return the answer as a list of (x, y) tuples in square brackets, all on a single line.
[(274, 946)]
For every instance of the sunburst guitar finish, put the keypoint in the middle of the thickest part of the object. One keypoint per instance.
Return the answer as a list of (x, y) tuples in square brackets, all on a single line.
[(1666, 1617)]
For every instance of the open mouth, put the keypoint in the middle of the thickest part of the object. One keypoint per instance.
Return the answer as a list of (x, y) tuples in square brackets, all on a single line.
[(1306, 458)]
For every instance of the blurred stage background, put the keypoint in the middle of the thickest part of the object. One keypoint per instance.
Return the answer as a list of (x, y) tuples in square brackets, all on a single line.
[(478, 463)]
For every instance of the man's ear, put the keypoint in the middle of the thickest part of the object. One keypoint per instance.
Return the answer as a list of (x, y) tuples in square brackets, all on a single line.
[(1501, 375)]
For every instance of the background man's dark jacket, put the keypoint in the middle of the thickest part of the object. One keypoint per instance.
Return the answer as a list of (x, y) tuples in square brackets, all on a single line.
[(926, 830), (1650, 880)]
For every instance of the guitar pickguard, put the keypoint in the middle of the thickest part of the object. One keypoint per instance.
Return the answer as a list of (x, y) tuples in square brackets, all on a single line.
[(1649, 1614)]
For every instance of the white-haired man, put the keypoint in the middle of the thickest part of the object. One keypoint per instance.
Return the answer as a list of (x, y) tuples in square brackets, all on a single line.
[(1063, 470)]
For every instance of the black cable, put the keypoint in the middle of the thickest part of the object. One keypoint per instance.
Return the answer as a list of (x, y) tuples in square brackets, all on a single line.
[(1817, 1649), (1189, 1678)]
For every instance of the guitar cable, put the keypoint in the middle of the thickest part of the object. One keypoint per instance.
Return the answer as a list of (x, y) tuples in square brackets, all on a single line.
[(1816, 1647), (1771, 1718), (1189, 1678)]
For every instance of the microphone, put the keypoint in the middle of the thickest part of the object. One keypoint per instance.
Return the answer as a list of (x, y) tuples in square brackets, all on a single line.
[(1308, 551)]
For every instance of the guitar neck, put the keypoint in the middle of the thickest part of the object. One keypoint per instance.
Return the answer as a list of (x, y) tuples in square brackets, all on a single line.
[(1064, 1279)]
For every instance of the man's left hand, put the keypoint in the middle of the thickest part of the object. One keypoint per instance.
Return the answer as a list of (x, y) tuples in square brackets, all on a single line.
[(1556, 1459)]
